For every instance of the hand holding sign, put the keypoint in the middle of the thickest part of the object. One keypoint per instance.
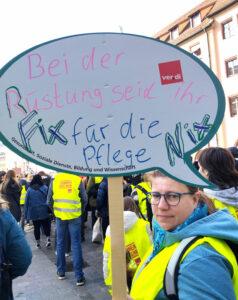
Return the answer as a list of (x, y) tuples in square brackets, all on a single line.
[(110, 104)]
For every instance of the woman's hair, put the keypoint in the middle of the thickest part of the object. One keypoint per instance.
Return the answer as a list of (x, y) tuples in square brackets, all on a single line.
[(130, 205), (197, 155), (37, 180), (2, 173), (193, 189), (10, 177), (220, 165), (11, 174), (146, 176)]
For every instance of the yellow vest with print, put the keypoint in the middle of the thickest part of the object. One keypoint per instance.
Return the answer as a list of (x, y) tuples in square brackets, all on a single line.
[(67, 203), (142, 197), (23, 195), (135, 245), (98, 179), (219, 205), (148, 280)]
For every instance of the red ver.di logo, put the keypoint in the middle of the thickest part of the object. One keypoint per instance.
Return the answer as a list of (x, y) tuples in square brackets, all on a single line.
[(170, 72)]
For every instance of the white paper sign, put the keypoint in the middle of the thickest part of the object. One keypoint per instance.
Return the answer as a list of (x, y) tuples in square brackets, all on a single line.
[(109, 104)]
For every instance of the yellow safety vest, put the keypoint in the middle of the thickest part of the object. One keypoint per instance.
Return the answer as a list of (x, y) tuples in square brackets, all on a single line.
[(98, 179), (220, 205), (142, 197), (67, 203), (23, 195), (137, 243), (148, 280)]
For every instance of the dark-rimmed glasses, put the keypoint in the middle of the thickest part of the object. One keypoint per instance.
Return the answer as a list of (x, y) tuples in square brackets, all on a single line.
[(171, 198)]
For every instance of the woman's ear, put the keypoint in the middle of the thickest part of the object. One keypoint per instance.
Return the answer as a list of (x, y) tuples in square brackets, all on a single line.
[(204, 172), (196, 197)]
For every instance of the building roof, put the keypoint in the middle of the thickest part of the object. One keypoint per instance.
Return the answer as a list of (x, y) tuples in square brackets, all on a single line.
[(220, 5), (207, 10)]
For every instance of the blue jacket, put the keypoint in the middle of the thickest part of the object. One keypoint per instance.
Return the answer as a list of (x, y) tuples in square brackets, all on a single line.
[(36, 207), (102, 198), (17, 250), (205, 274)]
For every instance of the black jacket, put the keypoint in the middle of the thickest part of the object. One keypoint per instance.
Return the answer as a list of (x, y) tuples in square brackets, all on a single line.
[(11, 193)]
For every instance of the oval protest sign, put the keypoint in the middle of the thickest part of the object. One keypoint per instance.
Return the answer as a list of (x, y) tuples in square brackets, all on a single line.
[(109, 104)]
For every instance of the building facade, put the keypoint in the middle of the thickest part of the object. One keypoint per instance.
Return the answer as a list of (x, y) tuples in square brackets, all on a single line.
[(11, 161), (210, 31)]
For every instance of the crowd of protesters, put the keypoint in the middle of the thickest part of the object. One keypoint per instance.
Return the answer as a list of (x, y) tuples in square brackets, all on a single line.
[(160, 215)]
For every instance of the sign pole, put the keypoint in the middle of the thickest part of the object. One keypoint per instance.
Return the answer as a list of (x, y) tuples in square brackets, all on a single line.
[(116, 208)]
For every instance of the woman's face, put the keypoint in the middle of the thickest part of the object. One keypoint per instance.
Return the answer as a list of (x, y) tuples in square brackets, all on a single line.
[(169, 217)]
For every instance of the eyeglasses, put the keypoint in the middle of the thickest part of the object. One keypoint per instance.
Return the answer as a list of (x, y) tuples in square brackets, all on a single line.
[(171, 198)]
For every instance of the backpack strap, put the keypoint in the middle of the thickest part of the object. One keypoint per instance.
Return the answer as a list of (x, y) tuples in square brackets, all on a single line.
[(171, 273), (133, 193), (148, 206), (143, 190)]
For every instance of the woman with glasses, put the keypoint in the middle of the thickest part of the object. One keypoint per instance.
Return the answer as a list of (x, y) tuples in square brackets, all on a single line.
[(208, 268), (218, 166)]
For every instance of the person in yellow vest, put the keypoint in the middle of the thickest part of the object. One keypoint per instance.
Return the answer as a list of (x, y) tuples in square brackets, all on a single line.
[(139, 195), (138, 239), (129, 183), (23, 194), (208, 268), (218, 166), (68, 194), (24, 183)]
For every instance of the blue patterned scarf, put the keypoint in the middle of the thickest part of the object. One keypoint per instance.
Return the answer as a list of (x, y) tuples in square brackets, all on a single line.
[(159, 233)]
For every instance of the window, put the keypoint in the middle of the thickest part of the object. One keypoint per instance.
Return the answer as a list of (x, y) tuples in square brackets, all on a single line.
[(233, 101), (174, 33), (231, 67), (227, 29), (195, 20), (196, 50)]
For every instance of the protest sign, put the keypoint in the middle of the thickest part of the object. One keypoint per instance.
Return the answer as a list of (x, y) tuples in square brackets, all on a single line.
[(110, 104)]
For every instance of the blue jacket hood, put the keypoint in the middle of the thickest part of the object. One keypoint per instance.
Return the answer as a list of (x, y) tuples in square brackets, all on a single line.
[(220, 225), (39, 187)]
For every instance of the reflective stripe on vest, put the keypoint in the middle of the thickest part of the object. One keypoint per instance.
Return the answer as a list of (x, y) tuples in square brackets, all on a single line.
[(67, 203), (142, 197), (220, 205), (23, 195), (137, 243), (67, 209), (148, 281)]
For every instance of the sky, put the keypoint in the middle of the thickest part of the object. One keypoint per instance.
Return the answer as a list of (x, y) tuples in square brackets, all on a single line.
[(26, 23)]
